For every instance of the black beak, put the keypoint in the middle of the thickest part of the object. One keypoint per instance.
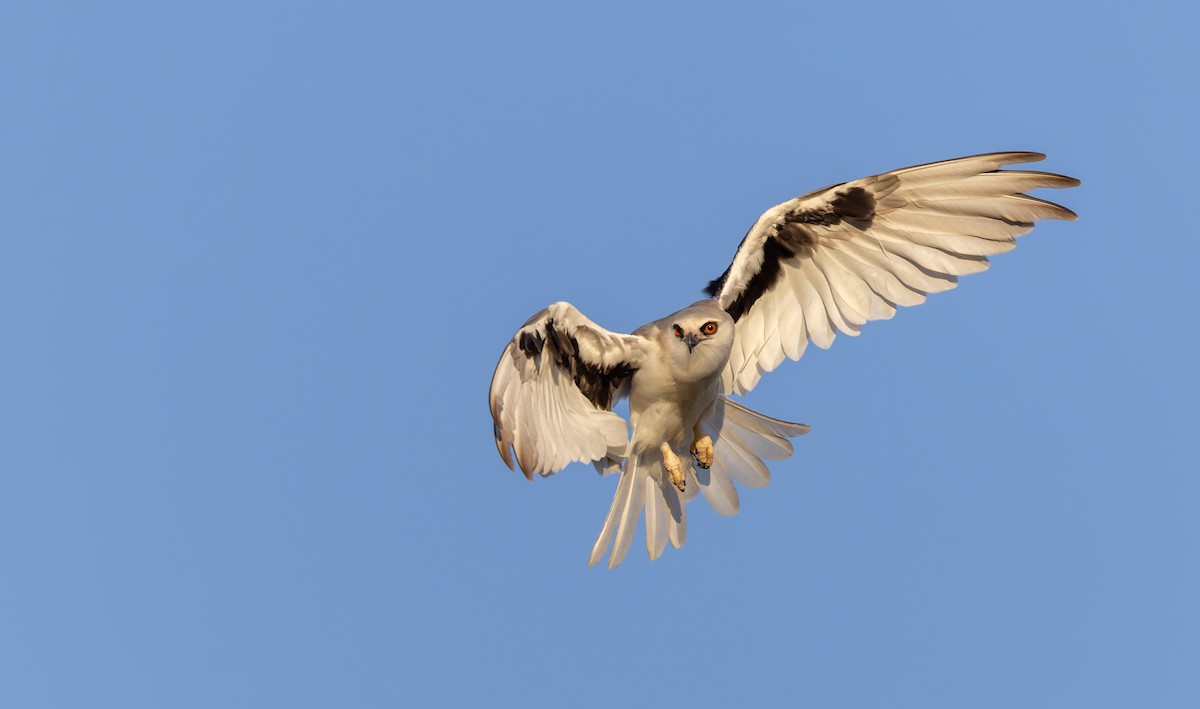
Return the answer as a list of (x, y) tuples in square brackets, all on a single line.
[(690, 340)]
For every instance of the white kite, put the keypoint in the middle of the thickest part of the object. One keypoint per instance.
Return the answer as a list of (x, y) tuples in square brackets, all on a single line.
[(816, 265)]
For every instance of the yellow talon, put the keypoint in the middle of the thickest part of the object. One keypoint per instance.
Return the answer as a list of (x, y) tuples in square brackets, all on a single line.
[(702, 451), (674, 467)]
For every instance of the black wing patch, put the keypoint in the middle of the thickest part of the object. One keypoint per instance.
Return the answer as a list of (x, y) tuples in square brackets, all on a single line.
[(792, 238), (599, 384)]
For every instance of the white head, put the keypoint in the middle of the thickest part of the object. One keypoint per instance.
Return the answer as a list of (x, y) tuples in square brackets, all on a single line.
[(698, 339)]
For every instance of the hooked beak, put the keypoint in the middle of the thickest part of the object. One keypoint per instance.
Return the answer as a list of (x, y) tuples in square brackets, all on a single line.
[(690, 340)]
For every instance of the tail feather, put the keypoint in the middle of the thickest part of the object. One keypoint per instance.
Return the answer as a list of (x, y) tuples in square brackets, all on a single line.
[(630, 513), (615, 512), (623, 515), (717, 488), (656, 518), (772, 434), (677, 527), (741, 462), (741, 439)]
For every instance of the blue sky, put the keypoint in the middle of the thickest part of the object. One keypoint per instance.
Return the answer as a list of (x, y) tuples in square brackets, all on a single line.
[(259, 261)]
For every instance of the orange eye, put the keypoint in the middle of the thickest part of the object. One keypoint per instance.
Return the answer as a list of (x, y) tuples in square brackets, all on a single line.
[(678, 331), (710, 328)]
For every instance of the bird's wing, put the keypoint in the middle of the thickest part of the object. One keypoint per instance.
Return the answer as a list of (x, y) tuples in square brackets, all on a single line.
[(554, 388), (831, 260)]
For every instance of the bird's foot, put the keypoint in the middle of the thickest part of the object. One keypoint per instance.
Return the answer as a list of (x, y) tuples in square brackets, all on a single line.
[(674, 467), (702, 451)]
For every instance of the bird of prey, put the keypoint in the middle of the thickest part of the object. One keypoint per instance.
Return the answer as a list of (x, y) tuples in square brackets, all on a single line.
[(822, 263)]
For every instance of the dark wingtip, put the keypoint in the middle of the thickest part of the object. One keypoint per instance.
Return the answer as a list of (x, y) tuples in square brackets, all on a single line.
[(713, 289)]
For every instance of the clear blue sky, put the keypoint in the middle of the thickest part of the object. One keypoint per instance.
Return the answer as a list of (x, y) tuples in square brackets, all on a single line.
[(259, 260)]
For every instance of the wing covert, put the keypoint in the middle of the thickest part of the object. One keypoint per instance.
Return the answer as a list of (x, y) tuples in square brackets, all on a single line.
[(834, 259)]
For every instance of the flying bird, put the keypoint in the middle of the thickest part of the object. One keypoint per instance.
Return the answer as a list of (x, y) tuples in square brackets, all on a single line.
[(822, 263)]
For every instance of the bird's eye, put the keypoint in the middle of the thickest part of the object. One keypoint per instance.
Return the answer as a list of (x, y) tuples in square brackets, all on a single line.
[(678, 331), (710, 328)]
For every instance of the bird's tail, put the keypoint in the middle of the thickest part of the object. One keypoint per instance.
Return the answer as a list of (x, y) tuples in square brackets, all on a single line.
[(742, 438), (642, 485)]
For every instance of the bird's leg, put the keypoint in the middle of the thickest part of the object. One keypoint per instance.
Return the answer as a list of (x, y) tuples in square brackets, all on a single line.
[(674, 467), (702, 448)]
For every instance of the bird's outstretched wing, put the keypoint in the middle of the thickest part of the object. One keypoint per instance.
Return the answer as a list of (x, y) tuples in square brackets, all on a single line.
[(833, 259), (554, 388)]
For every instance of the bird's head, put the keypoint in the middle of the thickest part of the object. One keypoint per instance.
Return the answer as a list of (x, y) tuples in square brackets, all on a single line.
[(702, 336)]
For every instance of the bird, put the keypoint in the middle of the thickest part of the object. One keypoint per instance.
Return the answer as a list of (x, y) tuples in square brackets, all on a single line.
[(823, 263)]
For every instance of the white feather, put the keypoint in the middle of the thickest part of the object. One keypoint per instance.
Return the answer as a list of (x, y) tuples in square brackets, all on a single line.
[(717, 487), (656, 517)]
